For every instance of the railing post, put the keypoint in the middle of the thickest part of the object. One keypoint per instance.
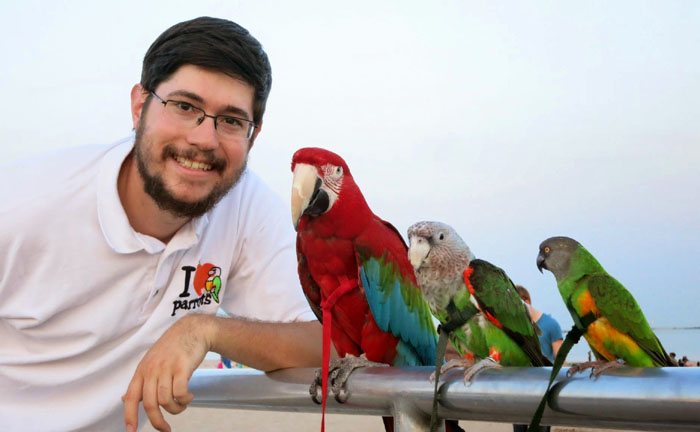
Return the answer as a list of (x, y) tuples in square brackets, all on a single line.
[(408, 418)]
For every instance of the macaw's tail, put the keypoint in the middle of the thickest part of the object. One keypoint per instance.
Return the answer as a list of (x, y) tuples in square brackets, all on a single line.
[(450, 425)]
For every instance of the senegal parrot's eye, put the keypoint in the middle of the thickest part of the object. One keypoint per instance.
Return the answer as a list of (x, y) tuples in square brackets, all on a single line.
[(546, 250)]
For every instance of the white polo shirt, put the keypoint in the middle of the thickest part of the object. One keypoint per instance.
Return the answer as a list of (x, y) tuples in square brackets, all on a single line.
[(83, 296)]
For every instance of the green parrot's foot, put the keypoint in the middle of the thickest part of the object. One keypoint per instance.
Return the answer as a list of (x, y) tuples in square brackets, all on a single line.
[(482, 365), (339, 372), (454, 363), (597, 367)]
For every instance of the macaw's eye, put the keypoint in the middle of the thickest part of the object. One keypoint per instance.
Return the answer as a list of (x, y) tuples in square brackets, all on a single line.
[(339, 170)]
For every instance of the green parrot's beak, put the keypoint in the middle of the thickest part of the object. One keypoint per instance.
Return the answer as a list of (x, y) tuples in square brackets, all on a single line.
[(540, 263)]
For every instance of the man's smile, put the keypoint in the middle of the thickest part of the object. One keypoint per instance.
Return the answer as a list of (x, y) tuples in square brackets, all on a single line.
[(191, 164)]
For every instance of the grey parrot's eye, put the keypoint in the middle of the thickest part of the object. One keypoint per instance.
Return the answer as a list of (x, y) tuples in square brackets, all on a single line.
[(441, 236)]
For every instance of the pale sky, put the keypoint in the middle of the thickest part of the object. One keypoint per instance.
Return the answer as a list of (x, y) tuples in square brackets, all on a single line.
[(511, 121)]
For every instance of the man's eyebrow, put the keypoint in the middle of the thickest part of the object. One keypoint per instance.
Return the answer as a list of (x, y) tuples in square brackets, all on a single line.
[(231, 109)]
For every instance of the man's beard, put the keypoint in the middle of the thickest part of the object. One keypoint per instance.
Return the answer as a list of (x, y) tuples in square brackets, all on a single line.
[(154, 186)]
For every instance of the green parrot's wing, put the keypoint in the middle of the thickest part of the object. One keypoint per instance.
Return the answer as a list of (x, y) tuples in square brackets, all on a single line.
[(622, 311), (497, 297)]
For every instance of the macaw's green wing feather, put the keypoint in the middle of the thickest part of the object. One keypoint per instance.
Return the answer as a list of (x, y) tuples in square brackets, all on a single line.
[(309, 286), (497, 297), (622, 311), (398, 307)]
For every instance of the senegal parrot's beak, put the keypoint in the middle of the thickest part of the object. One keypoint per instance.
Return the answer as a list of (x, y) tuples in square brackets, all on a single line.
[(540, 263), (308, 195)]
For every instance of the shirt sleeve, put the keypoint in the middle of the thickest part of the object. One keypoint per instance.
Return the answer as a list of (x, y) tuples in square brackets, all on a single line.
[(263, 283)]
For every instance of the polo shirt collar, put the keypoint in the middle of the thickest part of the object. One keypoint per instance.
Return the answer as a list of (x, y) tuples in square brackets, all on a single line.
[(118, 233)]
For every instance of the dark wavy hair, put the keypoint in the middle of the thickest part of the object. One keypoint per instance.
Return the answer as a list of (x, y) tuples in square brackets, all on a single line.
[(215, 44)]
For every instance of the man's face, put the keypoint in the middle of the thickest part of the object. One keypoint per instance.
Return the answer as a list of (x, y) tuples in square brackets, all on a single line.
[(187, 170)]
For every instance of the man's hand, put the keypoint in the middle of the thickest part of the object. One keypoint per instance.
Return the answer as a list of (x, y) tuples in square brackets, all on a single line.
[(162, 376)]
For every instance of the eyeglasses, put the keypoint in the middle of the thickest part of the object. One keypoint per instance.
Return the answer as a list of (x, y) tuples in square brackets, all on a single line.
[(189, 116)]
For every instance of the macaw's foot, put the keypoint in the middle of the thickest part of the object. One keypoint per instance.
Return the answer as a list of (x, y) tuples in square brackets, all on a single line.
[(451, 364), (339, 372), (487, 363), (597, 367)]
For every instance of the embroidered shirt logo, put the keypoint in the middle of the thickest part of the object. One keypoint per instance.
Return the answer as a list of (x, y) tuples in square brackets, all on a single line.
[(206, 283)]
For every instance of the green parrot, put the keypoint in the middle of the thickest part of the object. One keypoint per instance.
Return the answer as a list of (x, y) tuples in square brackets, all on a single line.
[(602, 309), (500, 331)]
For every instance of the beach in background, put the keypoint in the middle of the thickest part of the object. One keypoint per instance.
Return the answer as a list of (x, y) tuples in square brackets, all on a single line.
[(218, 420)]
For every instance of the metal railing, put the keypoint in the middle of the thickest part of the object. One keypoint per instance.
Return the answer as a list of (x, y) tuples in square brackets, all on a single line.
[(625, 398)]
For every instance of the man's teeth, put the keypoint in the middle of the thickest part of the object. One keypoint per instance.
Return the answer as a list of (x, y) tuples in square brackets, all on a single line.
[(188, 163)]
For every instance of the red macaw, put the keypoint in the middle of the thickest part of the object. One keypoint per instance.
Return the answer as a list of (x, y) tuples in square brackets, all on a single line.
[(355, 266)]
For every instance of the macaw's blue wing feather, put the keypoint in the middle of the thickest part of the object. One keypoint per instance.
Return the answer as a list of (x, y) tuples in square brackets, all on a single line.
[(398, 307)]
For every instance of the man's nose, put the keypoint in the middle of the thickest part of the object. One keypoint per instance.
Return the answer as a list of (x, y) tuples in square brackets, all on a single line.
[(204, 135)]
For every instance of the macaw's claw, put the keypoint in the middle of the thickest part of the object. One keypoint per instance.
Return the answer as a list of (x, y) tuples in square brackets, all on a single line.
[(316, 388), (339, 372), (487, 363)]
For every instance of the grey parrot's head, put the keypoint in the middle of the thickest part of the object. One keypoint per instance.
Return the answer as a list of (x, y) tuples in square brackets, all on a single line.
[(555, 256), (436, 247)]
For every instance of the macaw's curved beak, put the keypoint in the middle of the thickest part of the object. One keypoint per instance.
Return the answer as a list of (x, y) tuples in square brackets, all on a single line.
[(308, 195), (540, 263)]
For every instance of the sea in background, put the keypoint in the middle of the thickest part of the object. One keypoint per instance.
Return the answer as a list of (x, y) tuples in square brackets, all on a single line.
[(682, 341)]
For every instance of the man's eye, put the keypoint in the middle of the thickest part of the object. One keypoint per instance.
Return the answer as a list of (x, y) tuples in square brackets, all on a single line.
[(231, 121), (184, 106)]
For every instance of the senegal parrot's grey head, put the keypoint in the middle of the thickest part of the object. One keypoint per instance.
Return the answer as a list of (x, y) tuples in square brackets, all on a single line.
[(436, 247), (555, 255)]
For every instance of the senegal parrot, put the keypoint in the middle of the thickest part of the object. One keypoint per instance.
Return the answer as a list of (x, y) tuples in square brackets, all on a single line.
[(355, 272), (500, 330), (602, 309)]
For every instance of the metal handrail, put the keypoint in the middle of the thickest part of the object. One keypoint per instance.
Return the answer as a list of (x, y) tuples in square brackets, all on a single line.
[(624, 398)]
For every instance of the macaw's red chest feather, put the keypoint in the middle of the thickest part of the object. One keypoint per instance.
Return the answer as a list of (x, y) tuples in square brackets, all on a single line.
[(330, 261)]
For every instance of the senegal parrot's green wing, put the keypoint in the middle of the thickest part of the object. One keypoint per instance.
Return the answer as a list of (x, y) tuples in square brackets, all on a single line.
[(622, 311), (498, 299)]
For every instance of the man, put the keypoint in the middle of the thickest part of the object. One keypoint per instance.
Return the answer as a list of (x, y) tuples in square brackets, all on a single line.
[(116, 258), (551, 337)]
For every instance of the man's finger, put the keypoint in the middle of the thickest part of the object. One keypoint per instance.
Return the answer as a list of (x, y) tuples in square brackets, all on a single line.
[(180, 391), (131, 400), (166, 399), (151, 406)]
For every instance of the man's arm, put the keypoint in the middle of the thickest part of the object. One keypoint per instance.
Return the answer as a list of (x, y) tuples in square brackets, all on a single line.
[(556, 345), (162, 376)]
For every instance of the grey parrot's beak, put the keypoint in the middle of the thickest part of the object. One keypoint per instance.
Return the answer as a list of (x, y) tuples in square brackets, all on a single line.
[(540, 263), (308, 195)]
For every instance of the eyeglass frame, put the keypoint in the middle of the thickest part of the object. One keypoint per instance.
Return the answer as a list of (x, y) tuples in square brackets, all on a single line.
[(252, 124)]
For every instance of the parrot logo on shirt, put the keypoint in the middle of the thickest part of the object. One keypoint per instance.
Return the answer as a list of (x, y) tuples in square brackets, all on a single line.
[(206, 283), (208, 278)]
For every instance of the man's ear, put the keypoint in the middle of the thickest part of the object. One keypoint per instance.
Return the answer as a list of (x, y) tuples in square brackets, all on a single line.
[(255, 135), (138, 99)]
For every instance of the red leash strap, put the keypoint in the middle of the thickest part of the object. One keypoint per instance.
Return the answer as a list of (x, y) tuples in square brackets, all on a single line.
[(346, 285)]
